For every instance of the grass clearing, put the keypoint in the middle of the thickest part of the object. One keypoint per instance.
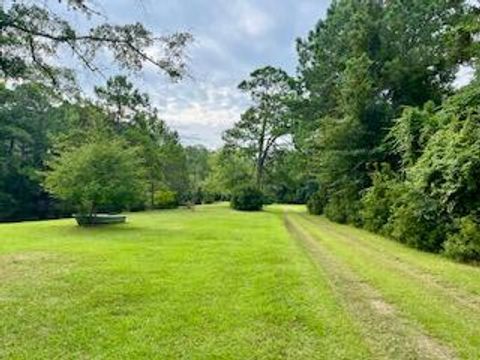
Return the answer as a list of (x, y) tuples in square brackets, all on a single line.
[(173, 284), (216, 283)]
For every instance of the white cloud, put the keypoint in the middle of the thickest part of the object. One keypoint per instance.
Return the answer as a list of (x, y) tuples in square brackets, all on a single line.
[(232, 38), (251, 20), (464, 76), (200, 112), (248, 19), (198, 123)]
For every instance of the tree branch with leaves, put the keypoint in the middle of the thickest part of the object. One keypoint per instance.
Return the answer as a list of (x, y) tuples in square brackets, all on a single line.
[(31, 35)]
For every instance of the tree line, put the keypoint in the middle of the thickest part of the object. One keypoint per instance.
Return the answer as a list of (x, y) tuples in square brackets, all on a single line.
[(62, 151), (372, 129)]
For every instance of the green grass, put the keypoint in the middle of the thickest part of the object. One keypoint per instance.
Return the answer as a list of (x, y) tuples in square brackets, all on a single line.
[(428, 293), (220, 284), (176, 284)]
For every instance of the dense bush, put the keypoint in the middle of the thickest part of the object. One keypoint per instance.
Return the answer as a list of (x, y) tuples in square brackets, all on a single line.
[(97, 176), (317, 201), (418, 221), (197, 196), (247, 198), (465, 244), (378, 200), (343, 205), (165, 199), (209, 198)]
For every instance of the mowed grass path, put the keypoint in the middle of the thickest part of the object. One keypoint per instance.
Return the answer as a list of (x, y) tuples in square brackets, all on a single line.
[(220, 284)]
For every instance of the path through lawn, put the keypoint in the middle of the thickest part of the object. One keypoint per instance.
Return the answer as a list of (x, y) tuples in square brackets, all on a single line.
[(408, 304), (215, 283)]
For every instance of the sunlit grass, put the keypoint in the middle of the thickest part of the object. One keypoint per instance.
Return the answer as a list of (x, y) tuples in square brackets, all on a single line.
[(212, 283)]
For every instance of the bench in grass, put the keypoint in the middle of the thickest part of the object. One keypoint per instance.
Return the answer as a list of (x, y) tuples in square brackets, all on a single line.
[(99, 219)]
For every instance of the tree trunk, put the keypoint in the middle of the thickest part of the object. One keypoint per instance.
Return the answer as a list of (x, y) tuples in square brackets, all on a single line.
[(260, 172)]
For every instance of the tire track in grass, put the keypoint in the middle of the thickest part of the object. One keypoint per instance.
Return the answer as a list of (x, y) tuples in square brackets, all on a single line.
[(388, 334), (436, 284), (452, 274), (438, 315)]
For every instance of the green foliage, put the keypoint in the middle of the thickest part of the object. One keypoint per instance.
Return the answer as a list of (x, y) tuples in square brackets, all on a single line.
[(97, 175), (124, 103), (32, 33), (418, 221), (263, 124), (464, 245), (317, 201), (33, 122), (209, 198), (411, 131), (229, 169), (165, 199), (27, 127), (288, 180), (344, 205), (378, 200), (377, 88), (247, 198), (449, 169), (440, 161), (198, 166)]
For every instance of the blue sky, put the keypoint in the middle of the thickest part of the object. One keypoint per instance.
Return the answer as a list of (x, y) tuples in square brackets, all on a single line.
[(232, 38)]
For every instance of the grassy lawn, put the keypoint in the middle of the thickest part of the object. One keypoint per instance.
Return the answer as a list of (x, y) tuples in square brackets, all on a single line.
[(219, 284), (176, 284)]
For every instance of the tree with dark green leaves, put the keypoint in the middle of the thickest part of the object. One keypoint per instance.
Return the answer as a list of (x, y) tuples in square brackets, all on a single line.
[(36, 124), (123, 102), (133, 117), (26, 128), (97, 176), (198, 169), (229, 168), (264, 124), (392, 143), (359, 68)]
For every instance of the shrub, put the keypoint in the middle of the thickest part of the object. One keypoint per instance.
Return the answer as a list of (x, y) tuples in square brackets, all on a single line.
[(165, 199), (209, 198), (247, 198), (418, 221), (465, 244), (316, 203), (96, 176), (268, 199), (7, 205), (343, 206), (197, 196), (379, 199)]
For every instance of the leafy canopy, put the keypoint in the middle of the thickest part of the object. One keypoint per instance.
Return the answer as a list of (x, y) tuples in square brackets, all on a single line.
[(97, 175)]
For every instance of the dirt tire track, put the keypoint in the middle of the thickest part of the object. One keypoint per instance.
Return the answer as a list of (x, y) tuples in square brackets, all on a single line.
[(388, 334), (448, 289)]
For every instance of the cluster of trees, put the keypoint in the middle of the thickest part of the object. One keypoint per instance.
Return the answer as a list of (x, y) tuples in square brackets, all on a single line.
[(102, 154), (259, 162), (60, 151), (394, 144), (372, 130)]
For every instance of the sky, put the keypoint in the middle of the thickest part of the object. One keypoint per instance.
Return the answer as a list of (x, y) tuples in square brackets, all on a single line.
[(232, 38)]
